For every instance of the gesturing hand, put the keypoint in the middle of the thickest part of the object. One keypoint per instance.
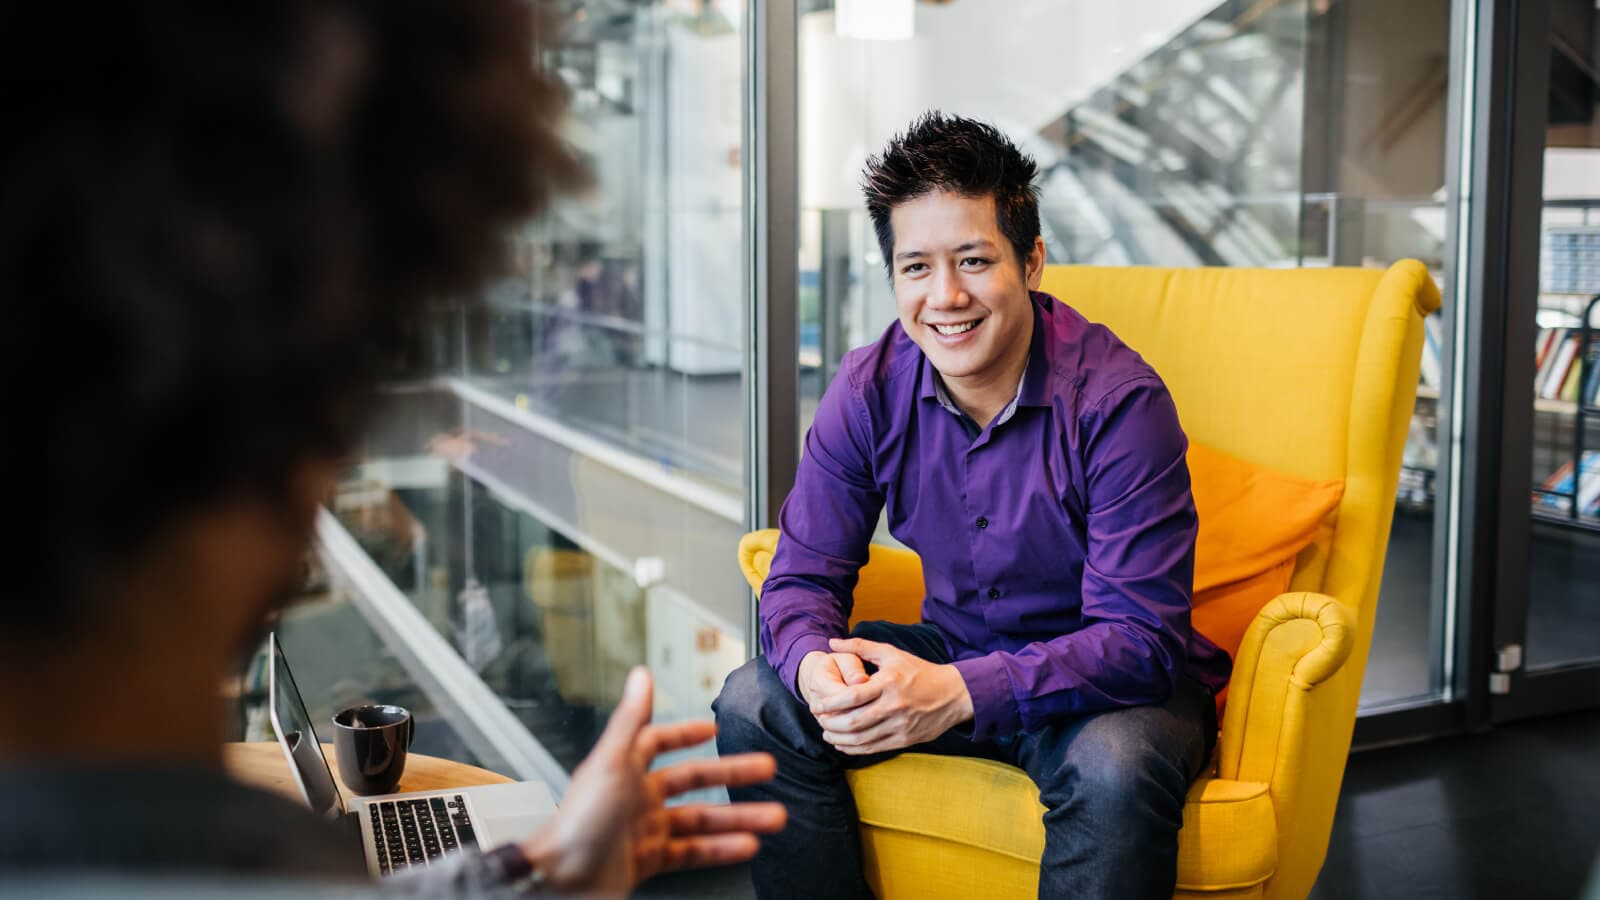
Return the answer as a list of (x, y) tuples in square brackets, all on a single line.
[(907, 701), (613, 829)]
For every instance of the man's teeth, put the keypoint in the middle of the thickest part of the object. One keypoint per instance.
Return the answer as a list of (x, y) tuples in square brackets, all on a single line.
[(956, 329)]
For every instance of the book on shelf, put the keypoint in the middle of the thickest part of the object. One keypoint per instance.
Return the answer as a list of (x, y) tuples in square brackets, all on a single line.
[(1569, 387), (1551, 376), (1589, 392), (1589, 489), (1561, 481), (1560, 366), (1580, 385), (1547, 338)]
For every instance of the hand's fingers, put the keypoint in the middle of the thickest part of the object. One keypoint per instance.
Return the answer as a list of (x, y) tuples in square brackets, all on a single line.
[(856, 720), (849, 698), (710, 818), (729, 771), (863, 738), (850, 668), (821, 679), (828, 674), (879, 740), (631, 715), (871, 651), (708, 850), (658, 739)]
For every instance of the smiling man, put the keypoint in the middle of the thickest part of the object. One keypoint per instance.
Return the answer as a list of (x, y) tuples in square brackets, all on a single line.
[(1037, 466)]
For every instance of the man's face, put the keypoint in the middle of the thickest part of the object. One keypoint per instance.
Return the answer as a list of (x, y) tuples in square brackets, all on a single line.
[(961, 292)]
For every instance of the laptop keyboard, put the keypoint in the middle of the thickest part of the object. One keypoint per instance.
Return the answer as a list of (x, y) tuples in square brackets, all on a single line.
[(409, 833)]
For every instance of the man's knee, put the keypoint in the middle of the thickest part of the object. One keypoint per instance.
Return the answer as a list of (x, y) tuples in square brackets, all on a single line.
[(1117, 761), (749, 707)]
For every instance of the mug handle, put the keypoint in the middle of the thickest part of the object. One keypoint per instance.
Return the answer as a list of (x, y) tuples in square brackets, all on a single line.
[(411, 730)]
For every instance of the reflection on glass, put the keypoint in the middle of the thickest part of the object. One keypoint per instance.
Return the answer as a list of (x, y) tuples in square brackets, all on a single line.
[(1564, 588), (1197, 133)]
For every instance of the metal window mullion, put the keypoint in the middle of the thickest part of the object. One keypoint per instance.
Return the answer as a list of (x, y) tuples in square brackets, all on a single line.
[(1507, 146), (772, 225)]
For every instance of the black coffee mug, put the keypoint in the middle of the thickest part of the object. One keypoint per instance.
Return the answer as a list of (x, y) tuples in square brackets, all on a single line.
[(371, 743)]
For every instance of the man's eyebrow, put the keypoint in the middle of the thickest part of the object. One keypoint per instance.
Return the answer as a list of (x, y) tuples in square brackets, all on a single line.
[(975, 244), (978, 244)]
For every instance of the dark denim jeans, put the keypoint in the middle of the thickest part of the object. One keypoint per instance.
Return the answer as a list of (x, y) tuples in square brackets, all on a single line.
[(1112, 783)]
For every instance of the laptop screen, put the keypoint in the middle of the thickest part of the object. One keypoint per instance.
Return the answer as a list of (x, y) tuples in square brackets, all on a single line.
[(299, 739)]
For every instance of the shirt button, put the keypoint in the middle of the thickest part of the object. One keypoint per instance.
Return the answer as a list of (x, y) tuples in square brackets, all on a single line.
[(982, 522), (994, 593)]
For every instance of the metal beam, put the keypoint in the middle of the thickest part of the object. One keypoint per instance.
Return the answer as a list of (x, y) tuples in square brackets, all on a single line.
[(772, 235)]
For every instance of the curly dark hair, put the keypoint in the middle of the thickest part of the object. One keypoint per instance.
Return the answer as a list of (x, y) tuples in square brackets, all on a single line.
[(959, 155), (215, 221)]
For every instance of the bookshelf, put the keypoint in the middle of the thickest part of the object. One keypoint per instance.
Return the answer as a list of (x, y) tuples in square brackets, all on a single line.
[(1570, 355)]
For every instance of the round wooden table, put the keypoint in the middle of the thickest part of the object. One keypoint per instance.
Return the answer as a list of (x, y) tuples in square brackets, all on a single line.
[(261, 763)]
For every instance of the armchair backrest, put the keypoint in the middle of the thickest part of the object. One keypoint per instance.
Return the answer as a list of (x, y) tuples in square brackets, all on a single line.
[(1312, 372)]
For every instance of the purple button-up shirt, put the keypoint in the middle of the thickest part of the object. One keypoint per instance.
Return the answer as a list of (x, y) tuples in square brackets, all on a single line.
[(1057, 546)]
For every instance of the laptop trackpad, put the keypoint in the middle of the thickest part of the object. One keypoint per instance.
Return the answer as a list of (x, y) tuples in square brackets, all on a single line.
[(510, 812)]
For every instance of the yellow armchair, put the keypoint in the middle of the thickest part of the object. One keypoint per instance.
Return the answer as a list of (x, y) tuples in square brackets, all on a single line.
[(1312, 372)]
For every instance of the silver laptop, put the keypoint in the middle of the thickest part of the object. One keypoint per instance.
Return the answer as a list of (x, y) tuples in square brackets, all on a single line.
[(398, 831)]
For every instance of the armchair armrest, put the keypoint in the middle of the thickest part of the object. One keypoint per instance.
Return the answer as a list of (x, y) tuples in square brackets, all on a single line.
[(889, 586), (1296, 643), (1291, 709), (755, 556)]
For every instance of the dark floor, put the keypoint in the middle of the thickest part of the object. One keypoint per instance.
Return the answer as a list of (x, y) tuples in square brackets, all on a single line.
[(1510, 813)]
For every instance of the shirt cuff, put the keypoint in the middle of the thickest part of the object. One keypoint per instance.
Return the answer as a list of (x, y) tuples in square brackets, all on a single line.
[(994, 707), (789, 667)]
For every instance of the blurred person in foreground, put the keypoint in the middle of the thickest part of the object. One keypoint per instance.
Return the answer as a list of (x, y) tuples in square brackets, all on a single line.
[(214, 223)]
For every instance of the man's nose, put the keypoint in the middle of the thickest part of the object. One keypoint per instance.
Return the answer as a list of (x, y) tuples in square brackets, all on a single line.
[(945, 291)]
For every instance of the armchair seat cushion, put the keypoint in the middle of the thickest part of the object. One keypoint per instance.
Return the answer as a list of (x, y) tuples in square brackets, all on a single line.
[(988, 842), (1230, 836)]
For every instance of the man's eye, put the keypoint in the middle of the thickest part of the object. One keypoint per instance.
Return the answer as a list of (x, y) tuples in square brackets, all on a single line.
[(913, 269), (974, 261)]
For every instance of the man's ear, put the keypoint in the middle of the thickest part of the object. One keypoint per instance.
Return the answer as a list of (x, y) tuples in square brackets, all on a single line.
[(1033, 266)]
